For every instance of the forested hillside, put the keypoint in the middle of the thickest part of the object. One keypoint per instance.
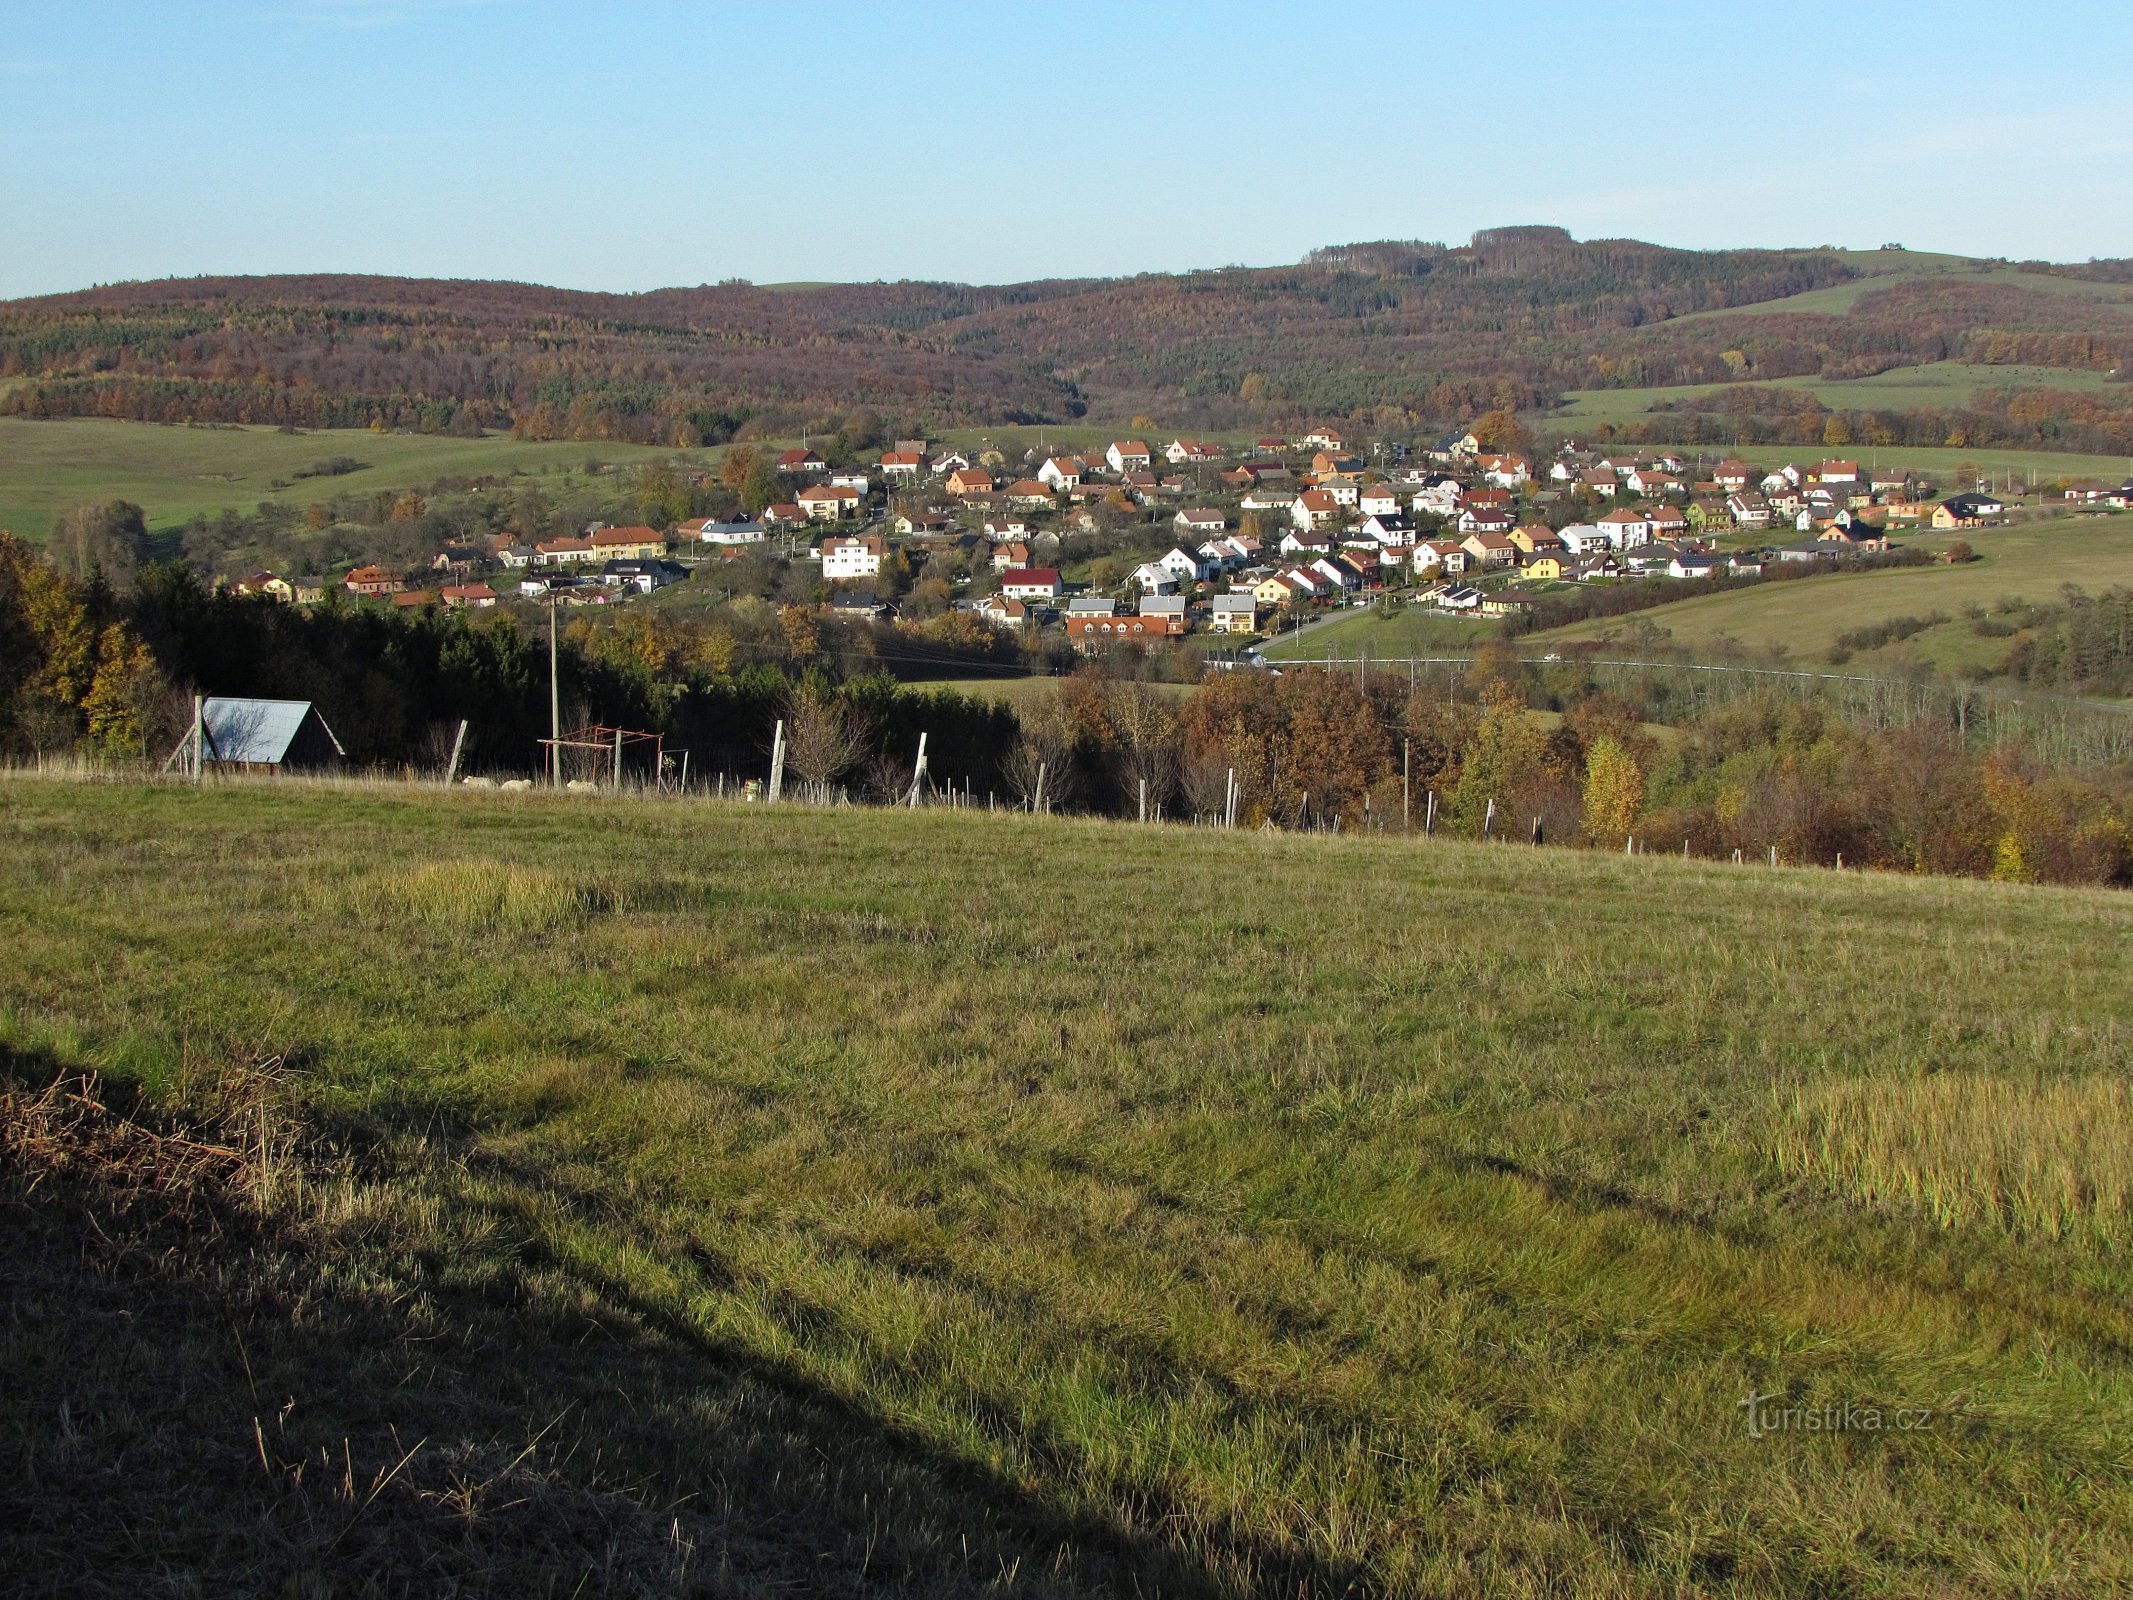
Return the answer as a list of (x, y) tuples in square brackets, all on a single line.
[(1393, 331)]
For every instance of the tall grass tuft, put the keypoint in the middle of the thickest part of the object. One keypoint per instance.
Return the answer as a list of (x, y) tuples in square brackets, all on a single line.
[(2051, 1159), (468, 896)]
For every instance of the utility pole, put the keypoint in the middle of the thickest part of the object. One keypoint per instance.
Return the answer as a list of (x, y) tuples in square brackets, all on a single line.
[(1406, 777), (777, 762), (555, 703), (616, 783), (199, 732)]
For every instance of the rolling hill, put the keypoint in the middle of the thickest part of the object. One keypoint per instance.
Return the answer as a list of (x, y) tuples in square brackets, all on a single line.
[(1519, 317)]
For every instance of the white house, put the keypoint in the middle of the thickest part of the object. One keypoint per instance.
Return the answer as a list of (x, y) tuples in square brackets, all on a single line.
[(1585, 539), (1128, 455), (1030, 583), (1379, 500), (1201, 520), (1154, 578), (1315, 508), (1182, 565), (1061, 472), (856, 557), (1628, 528), (709, 530), (1235, 612)]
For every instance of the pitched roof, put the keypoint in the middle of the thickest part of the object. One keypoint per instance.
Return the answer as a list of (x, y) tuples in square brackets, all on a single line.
[(258, 732)]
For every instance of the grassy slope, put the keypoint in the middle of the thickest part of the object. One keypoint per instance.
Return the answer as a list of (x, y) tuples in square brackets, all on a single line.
[(1806, 615), (174, 472), (1937, 386), (893, 1213)]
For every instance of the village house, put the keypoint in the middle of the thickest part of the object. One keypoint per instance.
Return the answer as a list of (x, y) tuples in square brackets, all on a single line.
[(1538, 539), (1440, 555), (1030, 495), (370, 582), (1002, 610), (799, 463), (830, 502), (1235, 612), (709, 530), (905, 465), (855, 556), (475, 596), (1180, 451), (1183, 565), (634, 543), (1090, 633), (923, 524), (1489, 550), (563, 552), (1200, 521), (1009, 554), (1031, 583), (1626, 528), (1378, 500), (1315, 508), (1063, 472), (1129, 455), (968, 480)]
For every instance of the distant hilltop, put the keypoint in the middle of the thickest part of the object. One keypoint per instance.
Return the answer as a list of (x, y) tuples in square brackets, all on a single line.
[(1514, 319)]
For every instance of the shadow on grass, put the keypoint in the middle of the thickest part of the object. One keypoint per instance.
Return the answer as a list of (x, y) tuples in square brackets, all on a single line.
[(230, 1375)]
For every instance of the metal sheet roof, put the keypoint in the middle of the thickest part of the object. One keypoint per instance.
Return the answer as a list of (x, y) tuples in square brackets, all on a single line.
[(252, 730)]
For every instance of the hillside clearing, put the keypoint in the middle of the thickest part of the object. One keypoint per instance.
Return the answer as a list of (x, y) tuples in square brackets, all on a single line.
[(1938, 386), (863, 1201)]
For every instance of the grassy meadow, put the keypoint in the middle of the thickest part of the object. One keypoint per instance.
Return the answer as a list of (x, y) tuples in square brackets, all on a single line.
[(2028, 560), (558, 1195), (1939, 385), (174, 472)]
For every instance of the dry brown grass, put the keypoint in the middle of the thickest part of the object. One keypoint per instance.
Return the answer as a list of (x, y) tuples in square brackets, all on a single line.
[(2050, 1159)]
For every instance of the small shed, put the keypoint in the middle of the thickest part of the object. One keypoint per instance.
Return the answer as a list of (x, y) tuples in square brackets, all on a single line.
[(238, 735)]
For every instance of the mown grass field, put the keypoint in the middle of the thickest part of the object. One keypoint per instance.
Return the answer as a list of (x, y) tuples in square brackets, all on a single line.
[(662, 1197), (1406, 631), (175, 472), (2028, 561)]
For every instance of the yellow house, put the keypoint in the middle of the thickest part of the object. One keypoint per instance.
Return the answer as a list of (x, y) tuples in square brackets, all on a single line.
[(1543, 569), (1273, 591), (634, 543)]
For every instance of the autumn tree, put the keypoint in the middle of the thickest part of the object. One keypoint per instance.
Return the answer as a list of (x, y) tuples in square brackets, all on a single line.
[(1501, 430), (1614, 790), (1503, 764)]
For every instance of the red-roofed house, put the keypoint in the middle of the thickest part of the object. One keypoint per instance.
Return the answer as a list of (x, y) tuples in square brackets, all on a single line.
[(1030, 583)]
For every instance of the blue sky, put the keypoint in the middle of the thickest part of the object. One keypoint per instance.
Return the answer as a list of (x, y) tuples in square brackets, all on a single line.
[(627, 146)]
